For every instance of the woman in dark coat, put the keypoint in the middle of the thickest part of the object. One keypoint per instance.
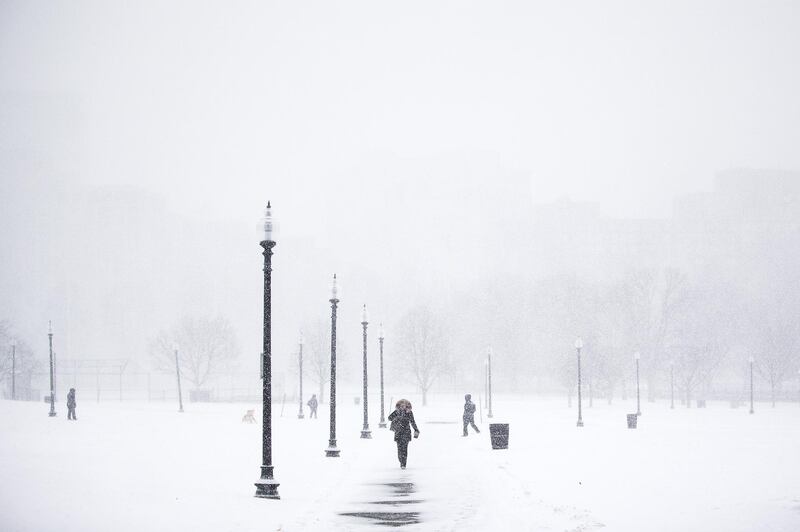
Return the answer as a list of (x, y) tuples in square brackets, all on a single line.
[(402, 420)]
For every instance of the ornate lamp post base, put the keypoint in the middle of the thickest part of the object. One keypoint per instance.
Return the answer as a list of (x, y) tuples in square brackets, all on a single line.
[(53, 414), (332, 451), (300, 416), (580, 424), (382, 425), (267, 488), (366, 434)]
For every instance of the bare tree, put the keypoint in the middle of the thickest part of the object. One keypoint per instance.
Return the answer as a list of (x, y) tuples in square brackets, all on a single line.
[(653, 302), (206, 346), (703, 333), (775, 345), (318, 344), (24, 364), (423, 348)]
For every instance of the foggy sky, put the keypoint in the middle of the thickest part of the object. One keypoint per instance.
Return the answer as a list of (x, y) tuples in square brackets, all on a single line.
[(217, 106)]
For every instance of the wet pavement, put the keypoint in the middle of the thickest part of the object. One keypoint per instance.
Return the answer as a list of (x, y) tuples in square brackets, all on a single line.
[(395, 495)]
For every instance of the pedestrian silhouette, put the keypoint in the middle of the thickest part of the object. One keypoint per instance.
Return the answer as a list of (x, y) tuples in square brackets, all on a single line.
[(402, 420), (469, 415), (71, 404), (312, 404)]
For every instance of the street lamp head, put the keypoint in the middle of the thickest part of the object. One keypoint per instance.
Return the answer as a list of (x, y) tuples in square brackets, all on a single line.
[(579, 343), (334, 289), (267, 226), (637, 355), (364, 316), (302, 339), (14, 343), (174, 346), (489, 350), (751, 359), (49, 327), (380, 331)]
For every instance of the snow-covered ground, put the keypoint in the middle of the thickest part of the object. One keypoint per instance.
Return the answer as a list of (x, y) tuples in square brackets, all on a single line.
[(143, 466)]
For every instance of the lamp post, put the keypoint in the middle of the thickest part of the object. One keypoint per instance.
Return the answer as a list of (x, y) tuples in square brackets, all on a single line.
[(382, 423), (332, 451), (672, 385), (55, 375), (52, 383), (266, 486), (636, 357), (486, 382), (13, 370), (178, 374), (300, 365), (751, 385), (365, 433), (489, 380), (578, 347)]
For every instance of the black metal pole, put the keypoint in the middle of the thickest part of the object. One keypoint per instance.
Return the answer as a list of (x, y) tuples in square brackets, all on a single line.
[(13, 371), (486, 382), (52, 383), (266, 486), (580, 413), (365, 432), (489, 383), (751, 387), (638, 404), (55, 375), (382, 423), (178, 373), (300, 364), (672, 386), (333, 451)]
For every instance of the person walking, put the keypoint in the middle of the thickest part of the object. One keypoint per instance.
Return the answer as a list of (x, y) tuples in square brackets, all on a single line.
[(402, 420), (312, 404), (71, 404), (469, 414)]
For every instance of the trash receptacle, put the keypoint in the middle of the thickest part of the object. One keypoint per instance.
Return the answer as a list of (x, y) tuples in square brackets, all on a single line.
[(701, 403), (357, 400), (499, 434), (632, 419)]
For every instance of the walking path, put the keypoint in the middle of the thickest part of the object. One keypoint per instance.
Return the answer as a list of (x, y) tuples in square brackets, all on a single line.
[(451, 484)]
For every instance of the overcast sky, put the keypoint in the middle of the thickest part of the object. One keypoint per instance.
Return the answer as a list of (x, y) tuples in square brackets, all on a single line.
[(216, 106)]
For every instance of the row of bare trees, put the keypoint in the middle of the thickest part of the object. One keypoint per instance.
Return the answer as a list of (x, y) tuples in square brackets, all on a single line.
[(702, 330)]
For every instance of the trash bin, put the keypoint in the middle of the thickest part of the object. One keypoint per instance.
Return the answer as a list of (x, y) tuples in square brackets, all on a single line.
[(701, 403), (632, 419), (356, 400), (499, 434)]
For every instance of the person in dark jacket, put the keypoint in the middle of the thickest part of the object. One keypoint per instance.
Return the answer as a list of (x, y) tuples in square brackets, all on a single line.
[(312, 404), (71, 404), (469, 414), (402, 420)]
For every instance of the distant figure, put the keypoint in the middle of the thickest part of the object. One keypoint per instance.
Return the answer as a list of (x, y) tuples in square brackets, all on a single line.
[(402, 420), (469, 414), (249, 417), (71, 404), (312, 404)]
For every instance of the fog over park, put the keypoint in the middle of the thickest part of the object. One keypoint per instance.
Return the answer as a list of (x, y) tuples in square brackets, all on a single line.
[(504, 176)]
